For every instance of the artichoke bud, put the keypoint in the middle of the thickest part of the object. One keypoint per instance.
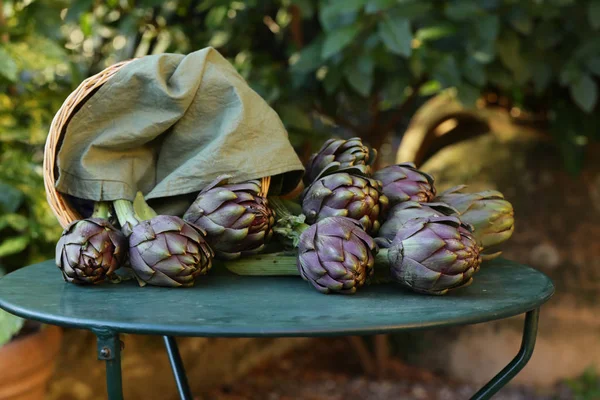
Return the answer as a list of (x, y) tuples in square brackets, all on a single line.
[(434, 255), (236, 217), (339, 153), (336, 255), (402, 213), (89, 251), (404, 182), (491, 216), (167, 251), (344, 194)]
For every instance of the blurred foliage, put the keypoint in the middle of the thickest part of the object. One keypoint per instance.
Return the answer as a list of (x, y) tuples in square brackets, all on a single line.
[(586, 386), (362, 66)]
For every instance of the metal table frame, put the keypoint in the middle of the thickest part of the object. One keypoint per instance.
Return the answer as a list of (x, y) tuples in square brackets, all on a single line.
[(288, 309), (109, 350)]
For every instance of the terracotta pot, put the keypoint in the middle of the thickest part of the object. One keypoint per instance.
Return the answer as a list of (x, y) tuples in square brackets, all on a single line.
[(27, 363)]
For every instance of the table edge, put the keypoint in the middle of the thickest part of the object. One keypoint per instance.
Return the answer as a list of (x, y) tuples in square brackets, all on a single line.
[(199, 331)]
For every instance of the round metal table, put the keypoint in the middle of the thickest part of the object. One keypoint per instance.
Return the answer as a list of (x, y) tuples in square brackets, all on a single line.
[(227, 305)]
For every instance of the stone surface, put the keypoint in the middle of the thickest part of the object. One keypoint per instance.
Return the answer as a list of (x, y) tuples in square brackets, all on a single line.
[(557, 229)]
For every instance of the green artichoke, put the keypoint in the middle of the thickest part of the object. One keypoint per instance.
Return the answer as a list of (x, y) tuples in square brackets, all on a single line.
[(491, 216), (236, 217), (433, 255), (344, 153), (89, 251), (345, 194), (167, 251), (403, 182), (336, 255), (402, 213)]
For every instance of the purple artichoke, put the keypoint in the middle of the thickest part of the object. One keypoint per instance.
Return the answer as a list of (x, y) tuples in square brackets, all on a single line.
[(434, 255), (336, 255), (345, 153), (167, 251), (400, 214), (403, 182), (89, 251), (491, 216), (236, 217), (343, 194)]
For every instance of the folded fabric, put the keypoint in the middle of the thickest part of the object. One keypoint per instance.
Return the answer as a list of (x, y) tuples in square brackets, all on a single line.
[(169, 124)]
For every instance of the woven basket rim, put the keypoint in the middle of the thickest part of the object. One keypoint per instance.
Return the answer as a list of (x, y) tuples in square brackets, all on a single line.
[(59, 205)]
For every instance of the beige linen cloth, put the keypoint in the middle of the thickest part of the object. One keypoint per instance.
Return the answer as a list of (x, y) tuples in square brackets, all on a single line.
[(169, 124)]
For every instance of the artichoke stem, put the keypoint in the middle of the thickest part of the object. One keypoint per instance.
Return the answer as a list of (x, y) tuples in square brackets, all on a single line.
[(288, 225), (125, 213), (280, 209), (274, 264), (142, 210), (100, 210)]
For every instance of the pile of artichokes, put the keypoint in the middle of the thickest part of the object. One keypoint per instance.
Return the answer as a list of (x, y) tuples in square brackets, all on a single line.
[(353, 221)]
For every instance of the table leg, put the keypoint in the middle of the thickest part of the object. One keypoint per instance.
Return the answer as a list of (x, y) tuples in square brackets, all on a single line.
[(109, 350), (178, 368), (517, 364)]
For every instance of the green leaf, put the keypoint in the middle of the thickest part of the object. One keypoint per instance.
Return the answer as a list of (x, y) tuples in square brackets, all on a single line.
[(11, 198), (435, 32), (446, 71), (594, 14), (593, 65), (337, 40), (309, 58), (15, 221), (584, 93), (359, 75), (332, 16), (77, 8), (307, 9), (8, 66), (332, 80), (412, 9), (473, 71), (521, 21), (294, 117), (340, 7), (13, 245), (394, 91), (396, 35), (374, 6), (462, 10), (10, 325), (509, 50)]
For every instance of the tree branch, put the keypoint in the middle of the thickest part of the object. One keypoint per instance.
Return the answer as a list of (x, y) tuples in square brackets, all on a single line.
[(4, 38), (296, 26)]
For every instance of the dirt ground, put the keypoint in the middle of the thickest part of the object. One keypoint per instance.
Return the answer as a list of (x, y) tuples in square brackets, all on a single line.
[(329, 370)]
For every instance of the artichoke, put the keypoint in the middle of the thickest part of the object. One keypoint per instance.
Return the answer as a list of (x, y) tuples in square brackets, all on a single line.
[(433, 255), (167, 251), (403, 182), (345, 153), (236, 217), (89, 251), (402, 213), (491, 216), (336, 255), (344, 194)]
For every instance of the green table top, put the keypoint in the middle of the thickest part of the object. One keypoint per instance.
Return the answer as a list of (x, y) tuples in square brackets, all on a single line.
[(226, 305)]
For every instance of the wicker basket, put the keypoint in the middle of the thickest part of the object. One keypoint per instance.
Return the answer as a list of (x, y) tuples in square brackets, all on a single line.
[(60, 206)]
